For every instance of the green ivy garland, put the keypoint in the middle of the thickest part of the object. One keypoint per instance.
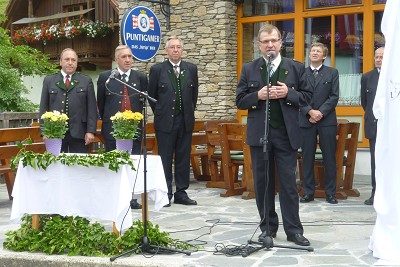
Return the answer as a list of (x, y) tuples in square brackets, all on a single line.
[(77, 236), (113, 159)]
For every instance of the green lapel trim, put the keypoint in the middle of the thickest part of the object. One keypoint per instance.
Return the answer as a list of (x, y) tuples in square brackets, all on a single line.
[(61, 83), (172, 78), (263, 72), (182, 77)]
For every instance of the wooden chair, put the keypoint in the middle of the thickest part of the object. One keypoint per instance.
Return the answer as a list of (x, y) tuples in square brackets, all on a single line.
[(346, 151), (199, 153), (233, 138), (214, 153), (9, 149), (151, 140)]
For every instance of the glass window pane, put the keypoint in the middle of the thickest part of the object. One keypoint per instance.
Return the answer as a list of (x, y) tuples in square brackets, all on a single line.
[(379, 39), (325, 3), (267, 7), (317, 30), (250, 38), (348, 57), (380, 2)]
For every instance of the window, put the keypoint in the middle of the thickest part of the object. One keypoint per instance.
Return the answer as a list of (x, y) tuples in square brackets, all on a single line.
[(250, 38), (331, 3), (347, 51), (267, 7)]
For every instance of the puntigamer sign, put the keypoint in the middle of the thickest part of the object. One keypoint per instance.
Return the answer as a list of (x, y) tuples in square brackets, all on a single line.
[(141, 31)]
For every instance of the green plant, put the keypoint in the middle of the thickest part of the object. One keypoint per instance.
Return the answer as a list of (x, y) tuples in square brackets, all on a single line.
[(54, 124), (113, 159), (126, 124), (15, 62), (77, 236)]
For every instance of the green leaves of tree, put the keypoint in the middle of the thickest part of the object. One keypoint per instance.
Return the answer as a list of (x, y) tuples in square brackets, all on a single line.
[(17, 61)]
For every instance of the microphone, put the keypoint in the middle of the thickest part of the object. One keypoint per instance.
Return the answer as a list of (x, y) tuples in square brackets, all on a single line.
[(271, 55), (112, 75)]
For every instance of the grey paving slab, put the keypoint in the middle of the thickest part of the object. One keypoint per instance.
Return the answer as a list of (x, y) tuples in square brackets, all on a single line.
[(339, 233)]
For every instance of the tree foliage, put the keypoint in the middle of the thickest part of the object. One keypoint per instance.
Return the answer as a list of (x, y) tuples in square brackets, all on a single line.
[(17, 61)]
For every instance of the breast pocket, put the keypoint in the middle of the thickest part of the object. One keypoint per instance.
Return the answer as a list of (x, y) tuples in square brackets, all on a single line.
[(81, 91), (162, 86), (53, 96), (253, 86)]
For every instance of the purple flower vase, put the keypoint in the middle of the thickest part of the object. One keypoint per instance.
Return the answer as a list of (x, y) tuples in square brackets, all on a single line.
[(53, 145), (124, 145)]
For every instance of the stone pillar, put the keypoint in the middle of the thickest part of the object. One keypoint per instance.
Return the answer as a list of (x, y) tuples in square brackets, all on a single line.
[(209, 31)]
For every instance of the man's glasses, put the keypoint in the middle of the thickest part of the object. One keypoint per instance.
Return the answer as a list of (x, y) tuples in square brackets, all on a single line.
[(272, 41), (173, 47)]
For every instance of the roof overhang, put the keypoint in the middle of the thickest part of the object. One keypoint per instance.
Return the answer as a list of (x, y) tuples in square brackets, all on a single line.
[(52, 17)]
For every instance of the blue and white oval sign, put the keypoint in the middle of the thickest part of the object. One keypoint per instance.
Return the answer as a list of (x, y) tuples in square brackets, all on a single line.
[(140, 30)]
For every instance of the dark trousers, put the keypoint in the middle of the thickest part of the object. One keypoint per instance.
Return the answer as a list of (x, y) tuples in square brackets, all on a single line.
[(372, 143), (327, 142), (73, 145), (279, 151), (175, 146)]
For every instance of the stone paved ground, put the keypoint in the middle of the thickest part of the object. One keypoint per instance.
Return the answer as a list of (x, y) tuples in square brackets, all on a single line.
[(339, 233)]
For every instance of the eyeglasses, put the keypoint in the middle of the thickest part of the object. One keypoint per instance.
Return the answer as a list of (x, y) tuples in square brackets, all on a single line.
[(173, 47), (272, 41)]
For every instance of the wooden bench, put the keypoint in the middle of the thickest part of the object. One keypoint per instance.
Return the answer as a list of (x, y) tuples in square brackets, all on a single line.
[(214, 154), (233, 139), (346, 151), (199, 153), (9, 137)]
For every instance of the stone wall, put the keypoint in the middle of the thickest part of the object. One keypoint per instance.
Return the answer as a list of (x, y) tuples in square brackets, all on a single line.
[(209, 31)]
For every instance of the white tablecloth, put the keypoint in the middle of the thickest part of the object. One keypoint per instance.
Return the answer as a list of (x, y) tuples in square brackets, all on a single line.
[(92, 192)]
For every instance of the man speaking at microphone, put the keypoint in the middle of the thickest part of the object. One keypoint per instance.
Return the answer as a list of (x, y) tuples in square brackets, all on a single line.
[(287, 92), (113, 96)]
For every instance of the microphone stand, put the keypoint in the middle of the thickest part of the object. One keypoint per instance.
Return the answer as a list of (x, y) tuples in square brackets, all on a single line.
[(268, 241), (145, 246)]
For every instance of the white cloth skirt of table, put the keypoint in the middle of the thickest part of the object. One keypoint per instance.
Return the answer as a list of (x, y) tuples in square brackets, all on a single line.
[(92, 192)]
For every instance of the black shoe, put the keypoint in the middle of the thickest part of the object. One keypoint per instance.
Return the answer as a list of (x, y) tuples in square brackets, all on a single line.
[(185, 201), (307, 198), (369, 201), (264, 235), (168, 205), (331, 199), (298, 239), (135, 205)]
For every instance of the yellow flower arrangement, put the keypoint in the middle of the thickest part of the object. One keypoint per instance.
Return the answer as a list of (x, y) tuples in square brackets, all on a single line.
[(126, 124), (54, 125)]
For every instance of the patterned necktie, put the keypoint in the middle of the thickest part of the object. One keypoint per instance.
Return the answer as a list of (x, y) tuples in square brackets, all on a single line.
[(126, 102), (67, 82), (315, 73), (271, 71), (176, 71)]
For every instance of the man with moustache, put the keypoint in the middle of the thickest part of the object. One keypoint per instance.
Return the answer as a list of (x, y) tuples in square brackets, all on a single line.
[(72, 93)]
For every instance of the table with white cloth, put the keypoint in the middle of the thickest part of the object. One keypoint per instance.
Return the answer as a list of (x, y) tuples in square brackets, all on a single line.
[(91, 192)]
